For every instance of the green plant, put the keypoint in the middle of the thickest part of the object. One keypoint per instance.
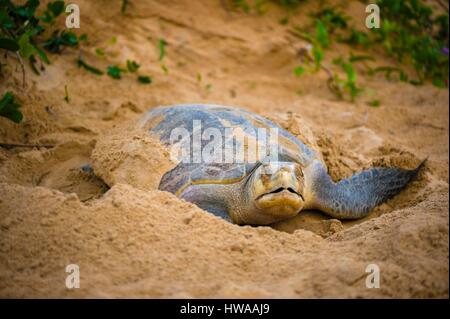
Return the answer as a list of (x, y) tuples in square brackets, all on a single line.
[(413, 35), (410, 32), (59, 40), (87, 67), (22, 31), (299, 70), (132, 66), (165, 69), (357, 38), (349, 83), (9, 108), (319, 41), (54, 9), (144, 79), (115, 72), (332, 18), (162, 48), (374, 103), (83, 37), (99, 52)]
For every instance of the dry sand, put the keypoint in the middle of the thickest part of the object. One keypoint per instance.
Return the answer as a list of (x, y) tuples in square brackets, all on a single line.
[(131, 240)]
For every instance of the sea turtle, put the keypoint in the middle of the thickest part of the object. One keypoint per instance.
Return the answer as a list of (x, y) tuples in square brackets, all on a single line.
[(265, 190)]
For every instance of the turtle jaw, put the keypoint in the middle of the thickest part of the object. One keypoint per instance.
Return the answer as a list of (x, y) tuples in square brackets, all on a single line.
[(280, 203), (277, 191)]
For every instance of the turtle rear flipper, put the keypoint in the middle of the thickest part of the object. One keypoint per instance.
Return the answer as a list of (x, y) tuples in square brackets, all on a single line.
[(357, 195)]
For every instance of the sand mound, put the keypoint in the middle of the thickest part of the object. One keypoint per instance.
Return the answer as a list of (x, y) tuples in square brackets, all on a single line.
[(128, 244), (132, 156)]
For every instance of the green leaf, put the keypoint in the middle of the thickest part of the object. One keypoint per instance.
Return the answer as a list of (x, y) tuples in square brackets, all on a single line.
[(5, 20), (87, 67), (27, 11), (283, 21), (350, 71), (439, 83), (162, 48), (15, 116), (56, 7), (69, 38), (9, 108), (114, 72), (9, 44), (33, 3), (165, 69), (42, 55), (132, 66), (58, 40), (318, 56), (144, 79), (332, 18), (322, 34), (99, 52), (112, 41), (374, 103), (26, 48), (357, 38), (299, 70), (83, 37), (33, 62), (46, 17)]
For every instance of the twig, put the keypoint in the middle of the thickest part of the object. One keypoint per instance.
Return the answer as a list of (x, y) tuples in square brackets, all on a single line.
[(23, 68), (12, 145)]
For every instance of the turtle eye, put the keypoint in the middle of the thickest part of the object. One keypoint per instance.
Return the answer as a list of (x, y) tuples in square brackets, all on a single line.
[(265, 178), (250, 173)]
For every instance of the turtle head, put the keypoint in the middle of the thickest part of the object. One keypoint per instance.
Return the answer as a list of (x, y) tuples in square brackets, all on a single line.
[(276, 190)]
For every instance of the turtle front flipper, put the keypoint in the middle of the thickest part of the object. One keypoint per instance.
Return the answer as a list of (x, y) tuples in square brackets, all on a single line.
[(209, 197), (357, 195)]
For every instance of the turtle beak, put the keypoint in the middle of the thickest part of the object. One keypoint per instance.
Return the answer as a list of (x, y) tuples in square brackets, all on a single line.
[(278, 188), (283, 181)]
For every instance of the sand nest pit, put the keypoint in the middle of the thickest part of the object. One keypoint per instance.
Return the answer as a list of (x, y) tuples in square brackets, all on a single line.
[(129, 154), (136, 241)]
